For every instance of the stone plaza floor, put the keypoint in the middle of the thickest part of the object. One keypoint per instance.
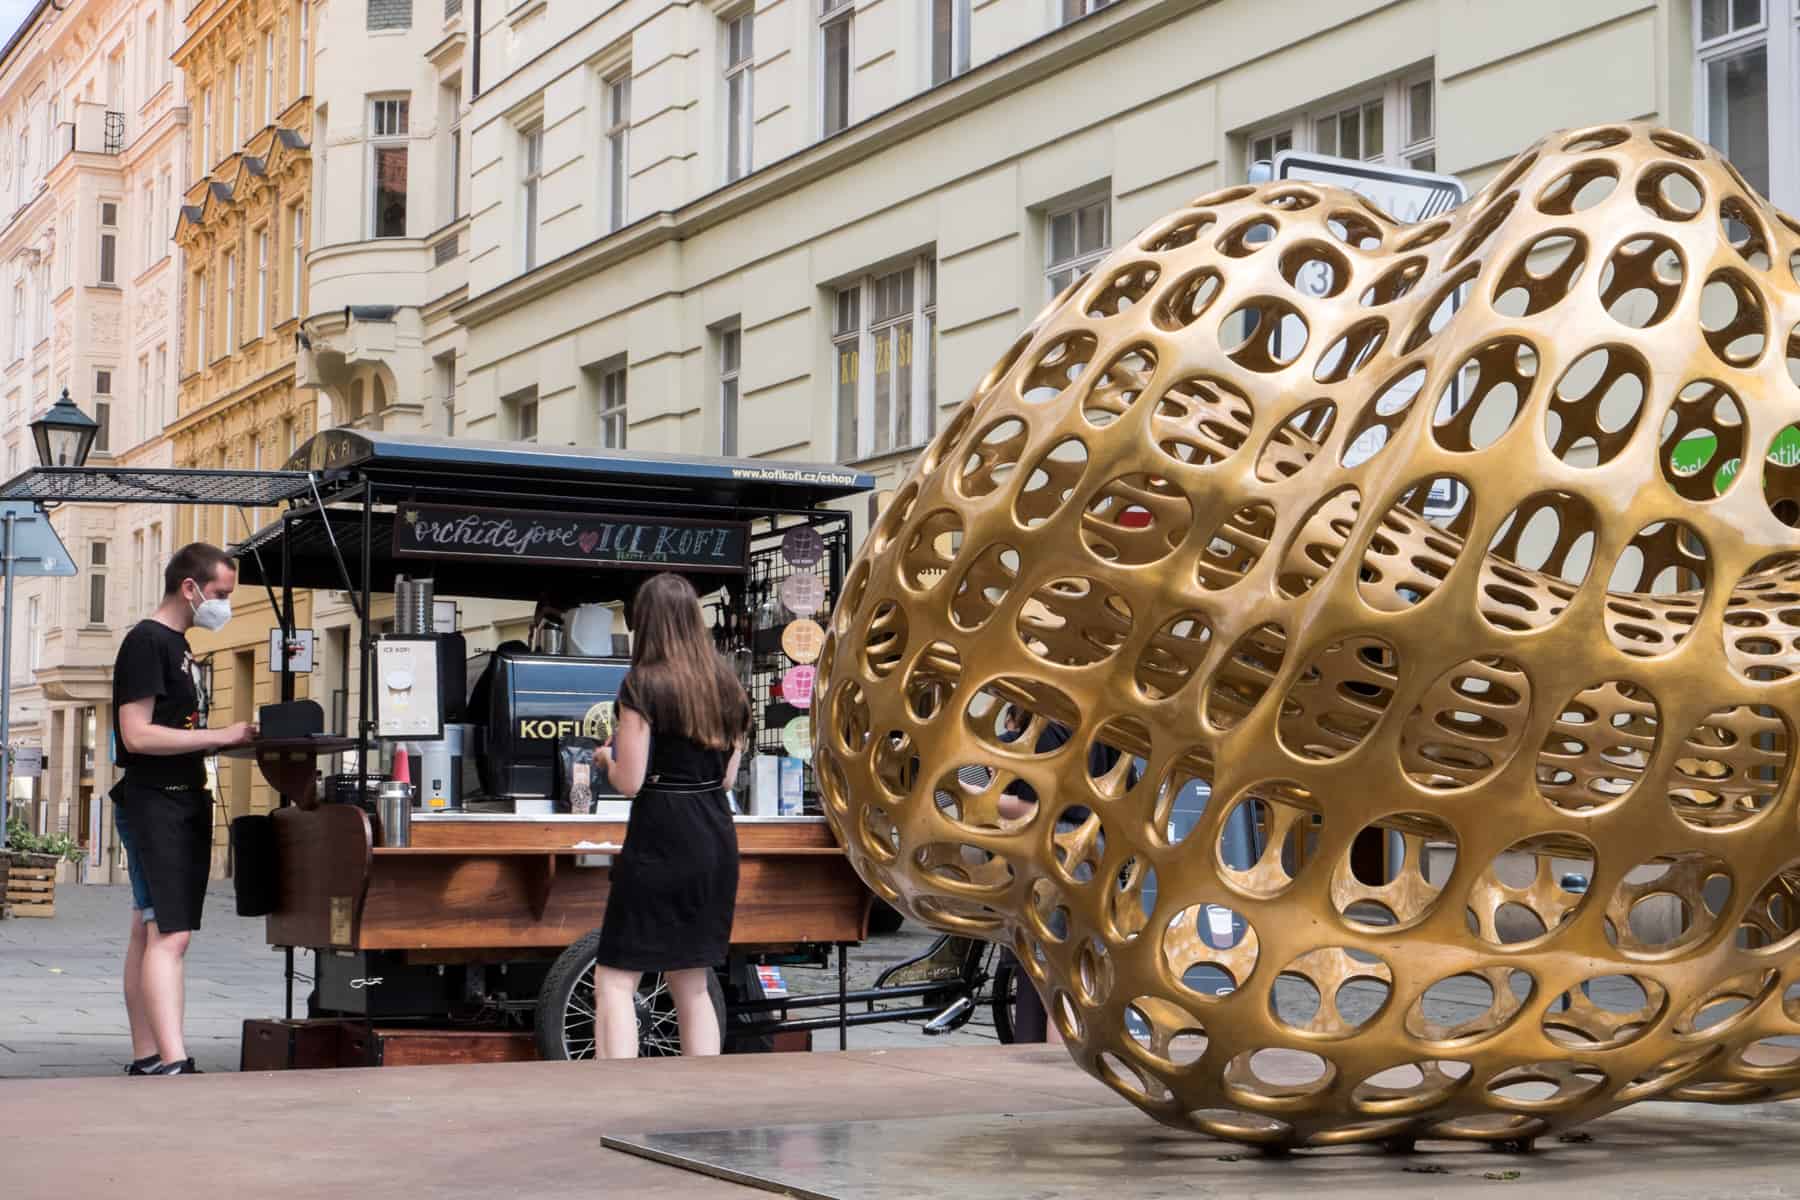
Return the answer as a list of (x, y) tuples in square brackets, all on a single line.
[(62, 1013)]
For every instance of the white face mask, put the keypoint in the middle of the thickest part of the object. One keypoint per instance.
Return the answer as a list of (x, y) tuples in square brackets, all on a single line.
[(211, 614)]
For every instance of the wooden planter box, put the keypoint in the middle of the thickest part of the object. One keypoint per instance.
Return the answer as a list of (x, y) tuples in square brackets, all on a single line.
[(30, 882)]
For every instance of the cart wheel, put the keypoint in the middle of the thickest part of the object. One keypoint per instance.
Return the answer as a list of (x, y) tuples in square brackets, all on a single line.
[(1006, 997), (563, 1025)]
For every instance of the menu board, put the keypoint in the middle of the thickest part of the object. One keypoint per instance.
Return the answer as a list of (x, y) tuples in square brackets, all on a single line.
[(802, 640), (408, 704), (569, 539)]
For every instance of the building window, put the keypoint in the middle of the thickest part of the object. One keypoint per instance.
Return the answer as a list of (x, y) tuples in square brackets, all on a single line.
[(524, 416), (1393, 123), (949, 39), (147, 254), (137, 571), (740, 120), (1080, 236), (200, 320), (206, 138), (236, 100), (387, 156), (230, 297), (304, 73), (162, 416), (268, 77), (1074, 10), (835, 20), (390, 14), (882, 319), (730, 346), (1733, 82), (166, 190), (262, 282), (449, 113), (97, 583), (613, 419), (103, 411), (18, 320), (532, 162), (34, 636), (297, 267), (618, 145), (141, 402), (446, 374), (109, 241)]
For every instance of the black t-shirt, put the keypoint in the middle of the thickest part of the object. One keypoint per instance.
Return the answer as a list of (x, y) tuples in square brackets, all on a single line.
[(154, 661)]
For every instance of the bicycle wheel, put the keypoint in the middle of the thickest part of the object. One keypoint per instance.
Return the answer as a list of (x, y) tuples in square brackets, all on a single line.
[(1005, 997), (563, 1025)]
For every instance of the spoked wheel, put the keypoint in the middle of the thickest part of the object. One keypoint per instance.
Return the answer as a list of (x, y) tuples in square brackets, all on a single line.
[(1007, 981), (564, 1023)]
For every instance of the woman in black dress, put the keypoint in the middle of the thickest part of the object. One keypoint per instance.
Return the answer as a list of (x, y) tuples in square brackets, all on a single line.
[(683, 717)]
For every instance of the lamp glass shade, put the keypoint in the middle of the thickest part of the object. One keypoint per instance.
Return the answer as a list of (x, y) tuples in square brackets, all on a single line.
[(64, 434)]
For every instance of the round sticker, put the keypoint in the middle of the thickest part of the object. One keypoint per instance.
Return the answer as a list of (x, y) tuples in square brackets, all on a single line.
[(802, 546), (796, 738), (802, 639), (797, 686), (804, 594)]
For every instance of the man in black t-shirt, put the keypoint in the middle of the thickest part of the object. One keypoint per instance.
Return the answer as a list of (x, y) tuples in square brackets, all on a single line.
[(160, 805)]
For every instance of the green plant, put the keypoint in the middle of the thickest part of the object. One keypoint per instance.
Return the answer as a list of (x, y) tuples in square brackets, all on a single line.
[(60, 845)]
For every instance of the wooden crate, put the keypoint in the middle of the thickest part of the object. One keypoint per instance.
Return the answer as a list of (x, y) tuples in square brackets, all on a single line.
[(278, 1045), (31, 891), (432, 1047)]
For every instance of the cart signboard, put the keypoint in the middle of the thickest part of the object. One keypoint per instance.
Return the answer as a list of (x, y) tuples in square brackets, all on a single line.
[(569, 539)]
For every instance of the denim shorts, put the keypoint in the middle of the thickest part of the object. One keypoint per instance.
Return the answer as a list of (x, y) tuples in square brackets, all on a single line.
[(140, 891)]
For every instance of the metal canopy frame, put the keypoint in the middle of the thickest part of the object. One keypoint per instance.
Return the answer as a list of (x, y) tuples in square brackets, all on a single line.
[(157, 485)]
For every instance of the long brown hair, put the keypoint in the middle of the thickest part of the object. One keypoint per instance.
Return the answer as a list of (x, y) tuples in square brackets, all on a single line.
[(677, 679)]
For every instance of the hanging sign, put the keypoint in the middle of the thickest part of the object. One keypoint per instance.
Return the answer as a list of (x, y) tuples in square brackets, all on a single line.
[(569, 539), (802, 546), (803, 594), (797, 686), (802, 640), (796, 738)]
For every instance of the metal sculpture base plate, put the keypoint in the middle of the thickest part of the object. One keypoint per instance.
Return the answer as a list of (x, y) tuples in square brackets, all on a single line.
[(1656, 1149)]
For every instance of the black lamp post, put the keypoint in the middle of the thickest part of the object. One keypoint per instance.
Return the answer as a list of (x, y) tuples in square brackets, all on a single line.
[(64, 434)]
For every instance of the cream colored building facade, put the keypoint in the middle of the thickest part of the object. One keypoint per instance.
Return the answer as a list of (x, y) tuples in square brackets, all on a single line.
[(92, 134)]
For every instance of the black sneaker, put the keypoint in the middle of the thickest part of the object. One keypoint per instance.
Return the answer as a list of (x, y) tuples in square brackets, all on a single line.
[(145, 1066), (184, 1067)]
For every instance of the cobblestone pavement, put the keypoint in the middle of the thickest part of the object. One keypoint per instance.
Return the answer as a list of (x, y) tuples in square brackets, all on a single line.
[(62, 1013)]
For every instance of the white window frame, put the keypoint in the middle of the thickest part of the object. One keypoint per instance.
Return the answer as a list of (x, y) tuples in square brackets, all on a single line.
[(958, 12), (525, 415), (141, 402), (109, 243), (237, 102), (98, 556), (262, 282), (1399, 146), (731, 397), (1070, 11), (1782, 63), (615, 95), (231, 328), (200, 321), (531, 182), (268, 76), (18, 319), (1082, 261), (103, 406), (612, 411), (832, 13), (34, 640), (383, 136), (297, 255), (147, 255), (740, 79), (206, 132), (305, 71), (859, 341)]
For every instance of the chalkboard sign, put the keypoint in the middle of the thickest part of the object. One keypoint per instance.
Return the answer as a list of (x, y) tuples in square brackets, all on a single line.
[(569, 539)]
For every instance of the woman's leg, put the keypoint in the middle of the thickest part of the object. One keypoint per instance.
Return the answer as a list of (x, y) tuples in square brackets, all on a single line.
[(143, 1042), (694, 1010), (615, 1012)]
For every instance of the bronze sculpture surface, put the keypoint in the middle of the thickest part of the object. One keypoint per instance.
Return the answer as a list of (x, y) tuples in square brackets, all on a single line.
[(1460, 607)]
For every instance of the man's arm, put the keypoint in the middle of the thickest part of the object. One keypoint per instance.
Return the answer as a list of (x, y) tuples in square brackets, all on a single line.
[(141, 735)]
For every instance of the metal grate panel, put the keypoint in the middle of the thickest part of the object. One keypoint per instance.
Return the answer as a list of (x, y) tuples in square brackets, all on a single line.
[(158, 485)]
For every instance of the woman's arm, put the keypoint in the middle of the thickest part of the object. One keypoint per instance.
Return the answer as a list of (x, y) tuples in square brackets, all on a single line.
[(627, 757), (731, 768)]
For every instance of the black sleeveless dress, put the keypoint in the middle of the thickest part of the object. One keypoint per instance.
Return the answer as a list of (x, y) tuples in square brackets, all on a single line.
[(674, 883)]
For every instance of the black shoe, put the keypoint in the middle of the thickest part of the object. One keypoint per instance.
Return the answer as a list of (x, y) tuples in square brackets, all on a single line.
[(184, 1067), (145, 1066)]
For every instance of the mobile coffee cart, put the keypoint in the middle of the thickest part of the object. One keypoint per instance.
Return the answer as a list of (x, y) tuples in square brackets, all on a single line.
[(471, 938)]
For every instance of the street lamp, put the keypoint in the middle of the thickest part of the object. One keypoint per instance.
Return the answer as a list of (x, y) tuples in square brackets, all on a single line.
[(64, 434)]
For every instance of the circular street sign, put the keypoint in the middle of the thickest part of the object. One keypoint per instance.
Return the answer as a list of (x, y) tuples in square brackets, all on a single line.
[(802, 546), (802, 640), (804, 594), (797, 686), (796, 738)]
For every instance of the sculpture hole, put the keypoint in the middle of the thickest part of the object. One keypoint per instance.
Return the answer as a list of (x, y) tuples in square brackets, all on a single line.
[(1182, 796), (1598, 747), (1781, 475), (1410, 1086), (1248, 236), (1339, 698), (1415, 547), (1201, 421), (1395, 283), (931, 549), (1581, 187), (1641, 281), (1175, 232), (1545, 1085), (1605, 1012), (1315, 269), (1468, 725), (983, 586), (1294, 1000), (1440, 309), (1671, 192), (1235, 547), (1485, 224), (1068, 1019), (1541, 275), (1674, 143), (1245, 675), (933, 680), (1115, 756), (884, 642), (847, 716), (1656, 589), (1770, 920), (1733, 317), (1074, 622), (1317, 542), (992, 458), (1351, 352), (1743, 231), (1094, 973), (1296, 442), (1119, 385), (1393, 871), (1468, 1006), (1422, 236), (1535, 886), (1732, 767), (1135, 520), (1058, 365), (1382, 417), (1050, 482), (1187, 299), (1283, 1070), (1660, 905), (1036, 704), (879, 836), (1211, 949), (945, 441), (1482, 399), (1596, 406), (1601, 138), (1358, 230), (1772, 1054), (1537, 559), (1172, 655), (1123, 289), (1133, 899), (1265, 334), (1703, 441), (1267, 837)]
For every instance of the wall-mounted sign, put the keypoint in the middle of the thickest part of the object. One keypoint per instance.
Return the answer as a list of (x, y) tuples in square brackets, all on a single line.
[(407, 701), (797, 686), (802, 546), (569, 539), (299, 651), (802, 640), (28, 762), (804, 593)]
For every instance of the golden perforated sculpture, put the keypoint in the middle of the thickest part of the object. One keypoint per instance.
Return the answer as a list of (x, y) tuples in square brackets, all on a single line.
[(1449, 574)]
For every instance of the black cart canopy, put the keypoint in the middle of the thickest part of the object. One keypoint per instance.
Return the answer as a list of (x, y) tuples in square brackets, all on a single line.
[(518, 521)]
